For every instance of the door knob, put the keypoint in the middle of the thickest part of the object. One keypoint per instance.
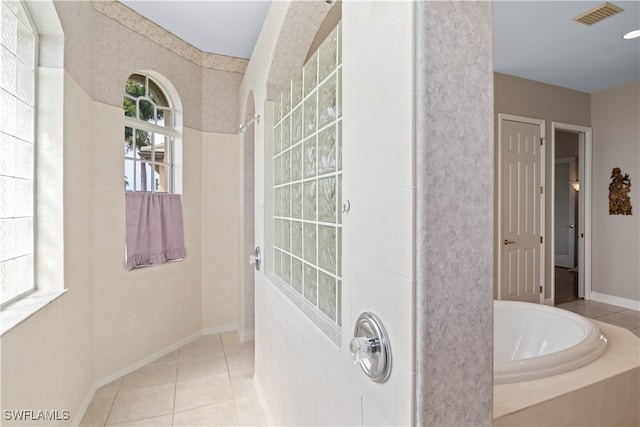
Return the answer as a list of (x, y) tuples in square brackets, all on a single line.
[(256, 258), (508, 242), (571, 226)]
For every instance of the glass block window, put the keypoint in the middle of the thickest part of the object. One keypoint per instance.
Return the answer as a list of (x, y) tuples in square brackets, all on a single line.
[(149, 137), (308, 182), (17, 150)]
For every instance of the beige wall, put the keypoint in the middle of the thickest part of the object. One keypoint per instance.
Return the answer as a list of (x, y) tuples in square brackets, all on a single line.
[(48, 360), (220, 231), (567, 144), (613, 115), (616, 239), (521, 97), (109, 319)]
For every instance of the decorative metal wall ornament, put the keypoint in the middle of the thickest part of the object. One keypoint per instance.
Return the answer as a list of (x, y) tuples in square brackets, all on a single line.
[(619, 201)]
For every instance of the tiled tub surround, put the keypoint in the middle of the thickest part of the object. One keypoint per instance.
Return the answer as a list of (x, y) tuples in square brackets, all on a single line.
[(605, 392), (307, 187), (205, 383)]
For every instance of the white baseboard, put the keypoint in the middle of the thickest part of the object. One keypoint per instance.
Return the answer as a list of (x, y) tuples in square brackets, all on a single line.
[(613, 300), (263, 402), (83, 408), (220, 329), (548, 301), (247, 336)]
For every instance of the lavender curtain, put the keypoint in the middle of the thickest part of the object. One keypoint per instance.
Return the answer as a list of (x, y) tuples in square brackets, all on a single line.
[(155, 231)]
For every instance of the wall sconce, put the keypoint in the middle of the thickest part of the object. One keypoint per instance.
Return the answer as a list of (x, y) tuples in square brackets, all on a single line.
[(575, 185)]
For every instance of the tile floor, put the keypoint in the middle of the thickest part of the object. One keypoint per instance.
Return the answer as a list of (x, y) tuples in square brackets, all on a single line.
[(608, 313), (208, 382)]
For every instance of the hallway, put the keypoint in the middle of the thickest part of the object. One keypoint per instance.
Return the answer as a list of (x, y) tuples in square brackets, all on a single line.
[(208, 382)]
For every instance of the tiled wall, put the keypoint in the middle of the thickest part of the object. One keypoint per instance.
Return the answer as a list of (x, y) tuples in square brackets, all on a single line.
[(304, 379), (308, 180)]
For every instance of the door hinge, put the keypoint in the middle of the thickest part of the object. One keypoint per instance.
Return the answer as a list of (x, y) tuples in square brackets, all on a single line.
[(541, 140), (541, 190), (540, 288), (541, 239)]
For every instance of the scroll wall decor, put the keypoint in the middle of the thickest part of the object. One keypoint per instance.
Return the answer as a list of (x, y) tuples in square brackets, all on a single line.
[(619, 201)]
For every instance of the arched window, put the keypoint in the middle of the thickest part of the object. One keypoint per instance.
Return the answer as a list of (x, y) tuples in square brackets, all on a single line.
[(150, 136)]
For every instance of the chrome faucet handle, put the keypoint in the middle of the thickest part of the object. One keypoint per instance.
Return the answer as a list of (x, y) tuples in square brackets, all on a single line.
[(370, 347)]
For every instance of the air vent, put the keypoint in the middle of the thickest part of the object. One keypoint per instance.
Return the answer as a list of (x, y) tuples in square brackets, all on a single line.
[(598, 14)]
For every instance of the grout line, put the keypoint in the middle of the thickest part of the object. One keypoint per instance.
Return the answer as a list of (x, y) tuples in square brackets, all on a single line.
[(175, 390), (112, 402)]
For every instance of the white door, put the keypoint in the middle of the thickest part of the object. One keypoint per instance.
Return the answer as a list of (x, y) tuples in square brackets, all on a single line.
[(521, 204), (565, 212)]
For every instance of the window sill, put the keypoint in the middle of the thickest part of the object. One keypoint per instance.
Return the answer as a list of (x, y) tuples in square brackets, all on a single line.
[(19, 311)]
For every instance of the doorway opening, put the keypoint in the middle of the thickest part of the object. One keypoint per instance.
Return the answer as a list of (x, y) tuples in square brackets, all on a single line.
[(570, 207)]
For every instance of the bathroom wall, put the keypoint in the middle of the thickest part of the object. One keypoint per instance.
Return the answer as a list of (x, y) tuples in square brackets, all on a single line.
[(613, 116), (304, 378), (110, 319), (616, 241), (48, 360), (162, 304), (527, 98), (220, 231), (567, 144)]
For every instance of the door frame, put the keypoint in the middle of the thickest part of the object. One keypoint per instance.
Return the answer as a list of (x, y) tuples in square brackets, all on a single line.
[(584, 202), (571, 162), (499, 175)]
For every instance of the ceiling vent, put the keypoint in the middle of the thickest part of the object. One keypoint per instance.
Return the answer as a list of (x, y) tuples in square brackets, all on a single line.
[(598, 14)]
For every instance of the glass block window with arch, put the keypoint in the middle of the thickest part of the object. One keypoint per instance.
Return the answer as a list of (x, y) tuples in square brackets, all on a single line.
[(307, 186)]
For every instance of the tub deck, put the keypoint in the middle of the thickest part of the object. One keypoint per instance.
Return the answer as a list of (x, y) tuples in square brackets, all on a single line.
[(605, 392)]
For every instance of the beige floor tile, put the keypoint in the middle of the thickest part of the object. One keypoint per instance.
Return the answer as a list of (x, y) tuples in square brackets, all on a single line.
[(206, 345), (141, 403), (569, 304), (620, 319), (240, 358), (632, 313), (168, 357), (98, 411), (242, 383), (201, 366), (231, 341), (588, 311), (250, 412), (107, 389), (221, 414), (604, 306), (163, 421), (155, 373), (203, 391)]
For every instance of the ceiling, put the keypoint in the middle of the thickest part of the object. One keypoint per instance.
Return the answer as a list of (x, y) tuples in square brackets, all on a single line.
[(224, 27), (537, 40)]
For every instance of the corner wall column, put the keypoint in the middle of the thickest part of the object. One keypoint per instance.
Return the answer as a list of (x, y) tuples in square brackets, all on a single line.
[(454, 220)]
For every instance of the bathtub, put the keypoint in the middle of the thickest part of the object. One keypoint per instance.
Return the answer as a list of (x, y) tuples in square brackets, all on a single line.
[(535, 341)]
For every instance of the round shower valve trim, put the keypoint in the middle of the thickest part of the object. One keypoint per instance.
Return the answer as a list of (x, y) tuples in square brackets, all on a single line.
[(370, 347)]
